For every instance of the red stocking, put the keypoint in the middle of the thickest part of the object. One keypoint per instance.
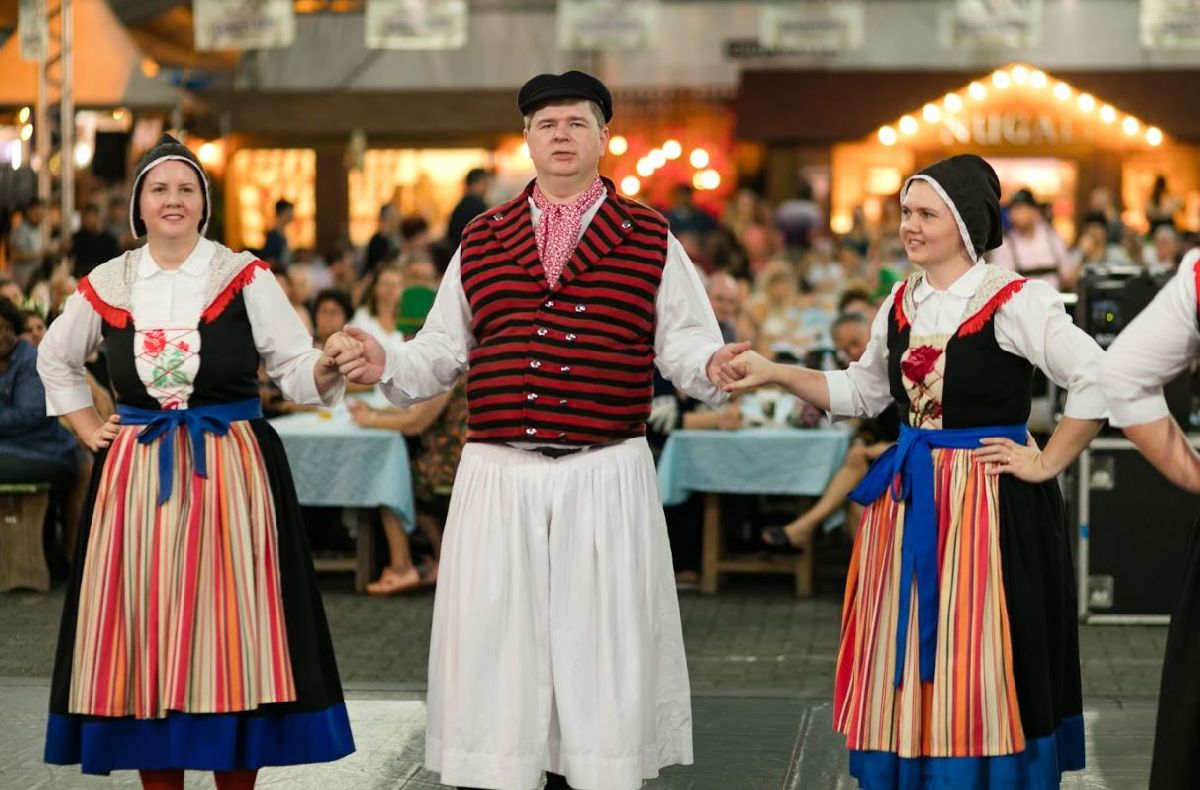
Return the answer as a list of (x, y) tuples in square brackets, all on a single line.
[(235, 780), (170, 779)]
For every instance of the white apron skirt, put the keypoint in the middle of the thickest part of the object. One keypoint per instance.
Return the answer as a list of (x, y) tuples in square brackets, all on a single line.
[(556, 638)]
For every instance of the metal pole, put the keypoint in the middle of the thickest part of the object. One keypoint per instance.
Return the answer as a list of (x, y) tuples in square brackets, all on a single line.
[(66, 114), (41, 126)]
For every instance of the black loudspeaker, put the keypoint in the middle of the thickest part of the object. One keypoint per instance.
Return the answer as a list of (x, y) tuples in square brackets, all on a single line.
[(109, 161), (1135, 527), (1109, 299)]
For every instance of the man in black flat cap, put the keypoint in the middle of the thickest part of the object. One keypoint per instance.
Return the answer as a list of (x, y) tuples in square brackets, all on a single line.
[(1032, 247), (556, 640)]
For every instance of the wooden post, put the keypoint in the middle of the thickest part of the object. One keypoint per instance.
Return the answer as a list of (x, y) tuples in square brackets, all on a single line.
[(713, 544)]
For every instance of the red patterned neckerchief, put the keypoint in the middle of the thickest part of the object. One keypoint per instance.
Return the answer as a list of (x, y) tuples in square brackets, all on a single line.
[(557, 231)]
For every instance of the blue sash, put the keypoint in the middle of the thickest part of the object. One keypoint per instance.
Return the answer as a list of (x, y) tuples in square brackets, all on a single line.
[(213, 419), (907, 469)]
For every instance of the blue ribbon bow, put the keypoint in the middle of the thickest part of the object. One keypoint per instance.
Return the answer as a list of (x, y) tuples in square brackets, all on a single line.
[(907, 469), (214, 419)]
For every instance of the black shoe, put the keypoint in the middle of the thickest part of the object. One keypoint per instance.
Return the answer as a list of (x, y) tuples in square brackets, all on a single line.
[(556, 782), (777, 540)]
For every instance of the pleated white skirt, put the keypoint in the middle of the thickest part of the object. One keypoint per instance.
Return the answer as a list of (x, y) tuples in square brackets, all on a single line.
[(556, 638)]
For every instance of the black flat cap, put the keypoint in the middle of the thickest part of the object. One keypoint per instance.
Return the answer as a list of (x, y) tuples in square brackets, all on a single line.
[(1023, 197), (568, 85)]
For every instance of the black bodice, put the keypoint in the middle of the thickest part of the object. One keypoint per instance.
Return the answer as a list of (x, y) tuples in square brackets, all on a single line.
[(228, 361)]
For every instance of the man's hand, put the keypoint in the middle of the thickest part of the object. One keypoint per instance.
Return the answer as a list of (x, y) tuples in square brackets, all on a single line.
[(718, 361), (363, 363), (748, 371)]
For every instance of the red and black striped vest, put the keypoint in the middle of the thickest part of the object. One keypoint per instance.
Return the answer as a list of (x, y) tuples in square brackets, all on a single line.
[(571, 364)]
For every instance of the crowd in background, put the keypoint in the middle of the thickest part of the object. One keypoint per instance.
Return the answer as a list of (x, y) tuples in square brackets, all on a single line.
[(775, 276)]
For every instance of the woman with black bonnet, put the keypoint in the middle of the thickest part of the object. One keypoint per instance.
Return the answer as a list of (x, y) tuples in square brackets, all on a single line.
[(959, 661)]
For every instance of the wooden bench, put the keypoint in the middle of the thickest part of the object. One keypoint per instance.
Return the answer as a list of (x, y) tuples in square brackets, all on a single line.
[(715, 561), (22, 516)]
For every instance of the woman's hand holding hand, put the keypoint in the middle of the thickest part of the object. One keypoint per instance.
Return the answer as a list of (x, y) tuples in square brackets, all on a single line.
[(747, 371)]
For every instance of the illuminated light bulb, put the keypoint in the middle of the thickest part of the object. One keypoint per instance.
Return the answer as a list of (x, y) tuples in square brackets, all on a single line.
[(908, 124), (698, 158), (931, 113), (1062, 91), (1087, 102), (698, 180), (976, 91), (672, 149), (1154, 135), (1019, 74), (209, 154), (656, 158), (27, 131), (630, 185), (1108, 114), (887, 135), (83, 154), (1130, 126), (644, 168), (953, 102), (1001, 79), (710, 178), (617, 146), (23, 115), (1038, 79), (525, 150)]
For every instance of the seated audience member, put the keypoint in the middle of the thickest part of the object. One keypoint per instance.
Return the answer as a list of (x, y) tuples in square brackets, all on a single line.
[(380, 306), (856, 300), (91, 245), (441, 422), (851, 332), (725, 296), (34, 448), (285, 282), (1092, 247), (34, 331), (11, 290), (1162, 254)]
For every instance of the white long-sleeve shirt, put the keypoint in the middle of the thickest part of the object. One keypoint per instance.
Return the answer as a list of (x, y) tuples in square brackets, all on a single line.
[(173, 301), (1032, 324), (685, 338), (1159, 344)]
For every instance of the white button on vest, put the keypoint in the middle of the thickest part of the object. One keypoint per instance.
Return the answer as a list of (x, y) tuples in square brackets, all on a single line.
[(535, 364)]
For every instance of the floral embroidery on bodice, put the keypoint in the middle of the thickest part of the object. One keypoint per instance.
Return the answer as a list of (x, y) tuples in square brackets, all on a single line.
[(167, 361), (923, 371)]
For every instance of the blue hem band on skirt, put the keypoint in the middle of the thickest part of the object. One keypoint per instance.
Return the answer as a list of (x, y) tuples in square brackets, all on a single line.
[(203, 742), (1039, 767)]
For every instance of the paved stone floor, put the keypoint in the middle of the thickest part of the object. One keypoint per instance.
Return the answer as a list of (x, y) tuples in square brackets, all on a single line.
[(761, 666)]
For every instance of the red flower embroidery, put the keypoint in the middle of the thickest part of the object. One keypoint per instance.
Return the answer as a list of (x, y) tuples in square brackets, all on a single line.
[(183, 346), (919, 361), (156, 341)]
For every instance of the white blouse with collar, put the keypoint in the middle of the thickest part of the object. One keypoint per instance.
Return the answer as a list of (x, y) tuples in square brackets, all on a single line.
[(166, 307), (1032, 324)]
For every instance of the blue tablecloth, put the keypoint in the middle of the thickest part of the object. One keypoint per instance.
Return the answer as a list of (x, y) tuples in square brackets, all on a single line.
[(338, 464), (750, 461)]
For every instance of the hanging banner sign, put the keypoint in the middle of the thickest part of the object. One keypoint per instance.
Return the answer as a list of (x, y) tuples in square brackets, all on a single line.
[(416, 24), (990, 24), (1170, 24), (607, 24), (812, 26), (33, 31), (243, 24)]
